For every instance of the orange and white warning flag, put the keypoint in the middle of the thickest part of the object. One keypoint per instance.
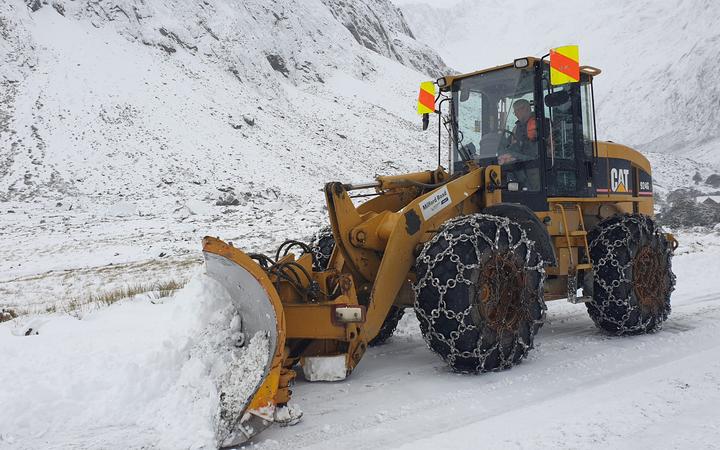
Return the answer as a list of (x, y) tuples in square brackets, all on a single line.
[(426, 99), (564, 65)]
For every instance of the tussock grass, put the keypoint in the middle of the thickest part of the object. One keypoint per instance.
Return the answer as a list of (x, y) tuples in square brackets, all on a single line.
[(156, 290), (7, 314), (76, 307)]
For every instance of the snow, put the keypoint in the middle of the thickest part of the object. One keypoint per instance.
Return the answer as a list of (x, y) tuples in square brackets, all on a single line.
[(115, 152), (324, 368), (140, 373), (137, 146), (145, 372), (702, 198)]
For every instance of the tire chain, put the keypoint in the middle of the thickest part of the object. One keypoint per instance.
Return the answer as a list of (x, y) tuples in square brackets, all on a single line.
[(465, 323), (320, 254), (609, 248)]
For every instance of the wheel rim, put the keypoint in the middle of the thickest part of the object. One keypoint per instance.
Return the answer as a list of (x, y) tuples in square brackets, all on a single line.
[(649, 279), (498, 301)]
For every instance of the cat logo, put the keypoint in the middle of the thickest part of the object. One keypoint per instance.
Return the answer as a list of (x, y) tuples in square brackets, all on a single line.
[(619, 179)]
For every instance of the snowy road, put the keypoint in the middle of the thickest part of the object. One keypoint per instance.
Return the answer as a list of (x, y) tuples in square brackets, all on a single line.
[(578, 388), (127, 376)]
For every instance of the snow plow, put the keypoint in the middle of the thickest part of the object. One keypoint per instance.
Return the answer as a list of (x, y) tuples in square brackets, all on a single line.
[(531, 208)]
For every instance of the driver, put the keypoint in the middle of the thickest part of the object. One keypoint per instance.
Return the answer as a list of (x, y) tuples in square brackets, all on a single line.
[(526, 126), (524, 134), (523, 147)]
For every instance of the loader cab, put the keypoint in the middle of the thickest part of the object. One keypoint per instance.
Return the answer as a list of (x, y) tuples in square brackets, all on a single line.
[(547, 151)]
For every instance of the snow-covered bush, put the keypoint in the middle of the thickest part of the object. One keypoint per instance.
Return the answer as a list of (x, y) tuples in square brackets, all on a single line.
[(684, 211)]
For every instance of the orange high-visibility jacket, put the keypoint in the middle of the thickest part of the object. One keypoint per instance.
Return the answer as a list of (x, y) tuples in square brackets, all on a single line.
[(532, 129)]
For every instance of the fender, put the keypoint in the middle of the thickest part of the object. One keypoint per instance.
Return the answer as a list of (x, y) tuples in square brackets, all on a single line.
[(532, 225)]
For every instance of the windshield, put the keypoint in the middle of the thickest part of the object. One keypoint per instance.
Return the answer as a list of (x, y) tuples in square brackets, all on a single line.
[(495, 117)]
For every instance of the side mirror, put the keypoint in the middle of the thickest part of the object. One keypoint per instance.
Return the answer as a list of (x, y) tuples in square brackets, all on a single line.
[(425, 121), (556, 99), (464, 94)]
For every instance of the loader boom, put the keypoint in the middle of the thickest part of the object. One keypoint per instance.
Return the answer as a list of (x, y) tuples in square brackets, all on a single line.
[(379, 249)]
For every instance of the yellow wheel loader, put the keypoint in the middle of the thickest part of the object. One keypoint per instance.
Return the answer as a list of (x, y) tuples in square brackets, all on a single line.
[(532, 208)]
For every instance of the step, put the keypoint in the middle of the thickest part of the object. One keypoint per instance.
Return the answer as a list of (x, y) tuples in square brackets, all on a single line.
[(575, 241), (584, 266), (578, 233), (577, 300)]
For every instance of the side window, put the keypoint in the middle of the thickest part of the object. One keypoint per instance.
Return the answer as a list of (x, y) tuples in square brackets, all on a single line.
[(563, 136), (569, 116), (560, 119), (588, 120)]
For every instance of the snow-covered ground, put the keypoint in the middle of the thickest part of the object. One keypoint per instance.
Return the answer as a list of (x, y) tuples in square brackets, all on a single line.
[(578, 389), (131, 376)]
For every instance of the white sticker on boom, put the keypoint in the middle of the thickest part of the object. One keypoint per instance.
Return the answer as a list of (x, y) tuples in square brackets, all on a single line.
[(435, 203)]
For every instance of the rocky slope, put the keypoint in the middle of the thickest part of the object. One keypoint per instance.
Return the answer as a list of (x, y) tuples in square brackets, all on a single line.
[(131, 129), (124, 97)]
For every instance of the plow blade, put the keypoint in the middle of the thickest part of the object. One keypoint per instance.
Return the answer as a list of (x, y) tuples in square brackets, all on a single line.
[(251, 408)]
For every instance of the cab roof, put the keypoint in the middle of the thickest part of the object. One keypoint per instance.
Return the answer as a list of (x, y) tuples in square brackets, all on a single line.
[(450, 79)]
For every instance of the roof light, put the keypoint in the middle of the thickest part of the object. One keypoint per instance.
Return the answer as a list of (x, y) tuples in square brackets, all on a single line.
[(441, 82), (594, 71), (521, 63)]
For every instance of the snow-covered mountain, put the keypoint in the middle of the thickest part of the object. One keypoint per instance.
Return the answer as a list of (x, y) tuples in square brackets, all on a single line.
[(660, 87), (143, 98), (130, 129)]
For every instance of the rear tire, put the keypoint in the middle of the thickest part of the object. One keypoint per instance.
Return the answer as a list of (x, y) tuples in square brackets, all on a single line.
[(479, 293), (388, 327), (322, 246), (632, 275)]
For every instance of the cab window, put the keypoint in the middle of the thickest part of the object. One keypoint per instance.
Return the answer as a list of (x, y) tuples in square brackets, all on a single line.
[(495, 124)]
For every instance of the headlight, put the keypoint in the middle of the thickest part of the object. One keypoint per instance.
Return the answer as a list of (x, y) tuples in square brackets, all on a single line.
[(521, 63), (441, 82)]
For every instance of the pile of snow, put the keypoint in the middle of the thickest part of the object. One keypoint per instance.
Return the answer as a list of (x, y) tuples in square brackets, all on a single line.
[(325, 368), (139, 374)]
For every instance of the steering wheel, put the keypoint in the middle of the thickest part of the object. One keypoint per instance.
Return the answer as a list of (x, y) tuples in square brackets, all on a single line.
[(505, 154), (510, 136)]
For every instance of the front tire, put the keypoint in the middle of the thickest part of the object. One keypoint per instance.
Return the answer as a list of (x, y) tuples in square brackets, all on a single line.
[(479, 293), (632, 275)]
